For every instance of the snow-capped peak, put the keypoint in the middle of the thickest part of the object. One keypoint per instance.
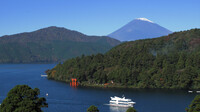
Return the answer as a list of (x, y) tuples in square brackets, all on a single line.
[(144, 19)]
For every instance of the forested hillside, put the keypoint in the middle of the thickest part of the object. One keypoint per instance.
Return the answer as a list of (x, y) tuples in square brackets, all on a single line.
[(171, 61), (52, 44)]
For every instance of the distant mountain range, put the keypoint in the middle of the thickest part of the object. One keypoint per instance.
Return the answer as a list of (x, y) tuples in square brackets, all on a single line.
[(52, 44), (140, 28)]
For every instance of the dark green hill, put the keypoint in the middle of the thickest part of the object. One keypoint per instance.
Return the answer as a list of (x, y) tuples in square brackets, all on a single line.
[(51, 44), (171, 61)]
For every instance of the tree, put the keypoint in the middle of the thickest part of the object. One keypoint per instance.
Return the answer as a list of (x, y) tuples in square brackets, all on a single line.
[(195, 105), (22, 98), (181, 61), (131, 109), (165, 62), (92, 108)]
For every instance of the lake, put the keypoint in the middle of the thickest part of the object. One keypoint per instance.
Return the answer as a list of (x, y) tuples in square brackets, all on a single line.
[(63, 98)]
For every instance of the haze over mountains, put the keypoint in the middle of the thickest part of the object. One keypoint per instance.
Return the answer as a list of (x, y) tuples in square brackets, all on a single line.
[(140, 28), (52, 44)]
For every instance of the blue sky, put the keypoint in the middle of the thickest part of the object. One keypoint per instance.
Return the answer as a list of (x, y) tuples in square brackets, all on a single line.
[(95, 17)]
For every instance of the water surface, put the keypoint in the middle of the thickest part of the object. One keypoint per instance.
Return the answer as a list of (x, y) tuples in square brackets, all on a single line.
[(64, 98)]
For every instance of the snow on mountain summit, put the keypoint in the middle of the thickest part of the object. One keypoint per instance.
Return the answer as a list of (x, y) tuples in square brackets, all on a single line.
[(144, 19), (140, 28)]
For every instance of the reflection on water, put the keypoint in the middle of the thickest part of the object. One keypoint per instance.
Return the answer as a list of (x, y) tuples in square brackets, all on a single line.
[(61, 97), (118, 109)]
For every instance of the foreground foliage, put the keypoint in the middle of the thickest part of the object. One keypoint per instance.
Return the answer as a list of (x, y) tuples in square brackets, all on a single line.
[(171, 61), (92, 108), (23, 99), (195, 105), (131, 109)]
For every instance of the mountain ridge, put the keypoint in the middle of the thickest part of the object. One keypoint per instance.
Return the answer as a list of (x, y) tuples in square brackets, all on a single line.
[(51, 44), (140, 28)]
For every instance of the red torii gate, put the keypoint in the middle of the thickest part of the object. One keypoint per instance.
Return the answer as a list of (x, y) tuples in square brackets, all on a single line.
[(73, 82)]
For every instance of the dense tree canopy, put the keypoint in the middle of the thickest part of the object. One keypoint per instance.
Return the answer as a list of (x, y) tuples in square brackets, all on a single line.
[(195, 105), (23, 99), (171, 61), (92, 108)]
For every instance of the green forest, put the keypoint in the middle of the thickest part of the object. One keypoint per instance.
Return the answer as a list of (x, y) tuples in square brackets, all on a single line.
[(171, 61), (52, 44)]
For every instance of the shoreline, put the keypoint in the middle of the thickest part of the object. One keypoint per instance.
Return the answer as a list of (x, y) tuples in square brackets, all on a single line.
[(84, 84)]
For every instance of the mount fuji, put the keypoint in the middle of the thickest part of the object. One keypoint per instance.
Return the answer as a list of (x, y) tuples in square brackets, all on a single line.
[(140, 28)]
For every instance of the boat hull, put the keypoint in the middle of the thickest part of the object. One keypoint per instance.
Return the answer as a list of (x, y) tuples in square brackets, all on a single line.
[(118, 105)]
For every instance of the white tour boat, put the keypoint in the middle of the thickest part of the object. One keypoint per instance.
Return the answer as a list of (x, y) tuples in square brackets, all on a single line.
[(121, 102)]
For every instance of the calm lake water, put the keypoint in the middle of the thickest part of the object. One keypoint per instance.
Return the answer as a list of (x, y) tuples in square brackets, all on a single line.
[(63, 98)]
